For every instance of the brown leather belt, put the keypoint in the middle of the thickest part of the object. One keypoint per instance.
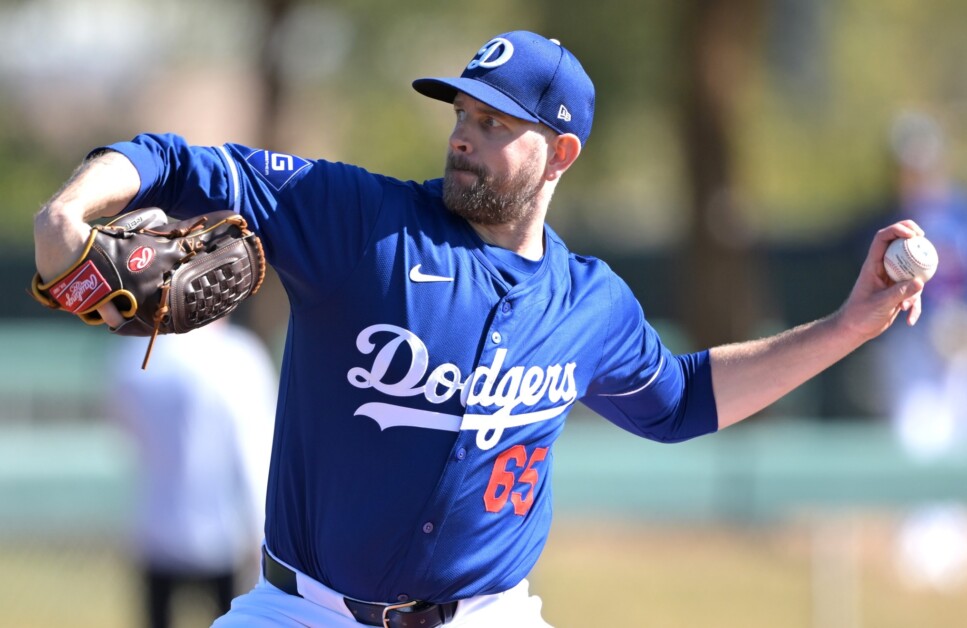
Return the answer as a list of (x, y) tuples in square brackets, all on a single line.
[(415, 614)]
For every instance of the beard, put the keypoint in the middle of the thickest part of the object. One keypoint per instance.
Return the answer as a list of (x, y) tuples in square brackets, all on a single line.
[(491, 199)]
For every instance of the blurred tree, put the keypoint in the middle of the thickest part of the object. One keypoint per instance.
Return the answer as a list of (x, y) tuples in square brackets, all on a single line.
[(721, 298), (692, 59), (267, 315), (269, 71)]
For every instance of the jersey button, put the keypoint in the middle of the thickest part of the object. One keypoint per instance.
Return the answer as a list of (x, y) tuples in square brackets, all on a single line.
[(427, 527), (507, 307), (402, 597), (461, 453), (495, 337)]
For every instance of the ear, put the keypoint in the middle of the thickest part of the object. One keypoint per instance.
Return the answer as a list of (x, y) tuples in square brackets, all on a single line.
[(563, 150)]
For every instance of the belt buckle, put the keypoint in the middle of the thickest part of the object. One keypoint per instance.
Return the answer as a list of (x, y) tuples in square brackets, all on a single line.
[(395, 607)]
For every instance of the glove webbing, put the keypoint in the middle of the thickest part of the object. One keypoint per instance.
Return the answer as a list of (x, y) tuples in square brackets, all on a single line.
[(163, 306)]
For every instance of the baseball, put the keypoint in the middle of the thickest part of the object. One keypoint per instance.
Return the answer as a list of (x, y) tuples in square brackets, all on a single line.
[(908, 258)]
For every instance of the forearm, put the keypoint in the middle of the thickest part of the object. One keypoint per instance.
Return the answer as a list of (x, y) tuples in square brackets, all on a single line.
[(749, 376), (100, 187)]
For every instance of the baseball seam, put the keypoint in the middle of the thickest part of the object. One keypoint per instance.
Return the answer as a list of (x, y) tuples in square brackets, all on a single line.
[(912, 257), (897, 270)]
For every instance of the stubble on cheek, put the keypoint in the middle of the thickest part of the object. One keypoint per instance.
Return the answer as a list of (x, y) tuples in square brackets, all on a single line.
[(488, 199)]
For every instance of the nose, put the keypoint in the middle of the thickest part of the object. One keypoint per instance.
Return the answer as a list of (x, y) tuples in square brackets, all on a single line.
[(458, 139)]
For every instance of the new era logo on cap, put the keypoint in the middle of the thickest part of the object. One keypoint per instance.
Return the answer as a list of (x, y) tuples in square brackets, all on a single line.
[(526, 76)]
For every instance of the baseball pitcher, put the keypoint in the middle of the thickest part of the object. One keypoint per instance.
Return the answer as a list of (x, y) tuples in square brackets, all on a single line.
[(439, 334)]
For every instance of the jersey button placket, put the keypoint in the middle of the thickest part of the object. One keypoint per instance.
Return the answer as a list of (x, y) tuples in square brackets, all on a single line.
[(506, 307)]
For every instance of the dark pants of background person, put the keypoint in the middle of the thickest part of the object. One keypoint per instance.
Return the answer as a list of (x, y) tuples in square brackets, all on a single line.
[(160, 587)]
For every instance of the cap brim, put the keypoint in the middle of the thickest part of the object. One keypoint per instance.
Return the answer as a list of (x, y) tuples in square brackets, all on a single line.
[(446, 89)]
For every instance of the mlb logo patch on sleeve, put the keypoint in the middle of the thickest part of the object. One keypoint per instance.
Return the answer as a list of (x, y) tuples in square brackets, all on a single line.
[(276, 168)]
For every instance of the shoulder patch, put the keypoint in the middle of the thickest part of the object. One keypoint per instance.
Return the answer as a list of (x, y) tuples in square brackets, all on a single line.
[(276, 168)]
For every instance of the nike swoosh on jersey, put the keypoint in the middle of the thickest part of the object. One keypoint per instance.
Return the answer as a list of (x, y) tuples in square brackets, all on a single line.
[(419, 277)]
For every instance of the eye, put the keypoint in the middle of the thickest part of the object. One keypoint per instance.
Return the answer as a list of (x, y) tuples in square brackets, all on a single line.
[(490, 122)]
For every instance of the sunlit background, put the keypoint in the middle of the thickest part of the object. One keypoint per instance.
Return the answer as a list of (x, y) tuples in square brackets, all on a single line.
[(743, 154)]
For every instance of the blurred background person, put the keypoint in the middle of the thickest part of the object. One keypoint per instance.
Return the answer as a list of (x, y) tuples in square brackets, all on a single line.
[(203, 438), (923, 369)]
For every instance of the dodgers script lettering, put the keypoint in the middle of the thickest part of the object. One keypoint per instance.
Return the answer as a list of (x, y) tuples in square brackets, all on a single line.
[(488, 385)]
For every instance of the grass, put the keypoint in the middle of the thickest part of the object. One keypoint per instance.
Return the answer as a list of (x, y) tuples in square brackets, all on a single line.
[(807, 574), (78, 584), (830, 574)]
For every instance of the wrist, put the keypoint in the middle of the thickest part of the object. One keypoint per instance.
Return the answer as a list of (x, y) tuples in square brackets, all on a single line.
[(59, 236), (846, 332)]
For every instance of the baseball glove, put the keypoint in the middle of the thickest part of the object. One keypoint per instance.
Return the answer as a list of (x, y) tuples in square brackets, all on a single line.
[(164, 278)]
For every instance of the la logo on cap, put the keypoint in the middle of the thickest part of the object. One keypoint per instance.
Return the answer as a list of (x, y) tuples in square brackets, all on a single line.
[(493, 54), (526, 76)]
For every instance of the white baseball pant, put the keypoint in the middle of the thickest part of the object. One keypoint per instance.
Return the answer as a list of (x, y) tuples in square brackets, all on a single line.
[(266, 606)]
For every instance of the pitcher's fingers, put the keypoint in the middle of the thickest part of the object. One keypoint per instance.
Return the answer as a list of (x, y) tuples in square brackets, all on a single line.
[(111, 315), (914, 311)]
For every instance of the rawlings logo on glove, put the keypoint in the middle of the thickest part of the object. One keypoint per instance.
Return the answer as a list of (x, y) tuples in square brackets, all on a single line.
[(163, 277)]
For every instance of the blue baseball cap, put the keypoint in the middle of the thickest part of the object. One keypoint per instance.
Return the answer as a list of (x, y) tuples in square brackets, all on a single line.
[(526, 76)]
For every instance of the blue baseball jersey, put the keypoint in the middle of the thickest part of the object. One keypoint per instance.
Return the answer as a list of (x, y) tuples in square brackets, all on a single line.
[(426, 375)]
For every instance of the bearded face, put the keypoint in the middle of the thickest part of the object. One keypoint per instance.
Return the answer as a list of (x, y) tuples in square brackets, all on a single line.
[(488, 198)]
